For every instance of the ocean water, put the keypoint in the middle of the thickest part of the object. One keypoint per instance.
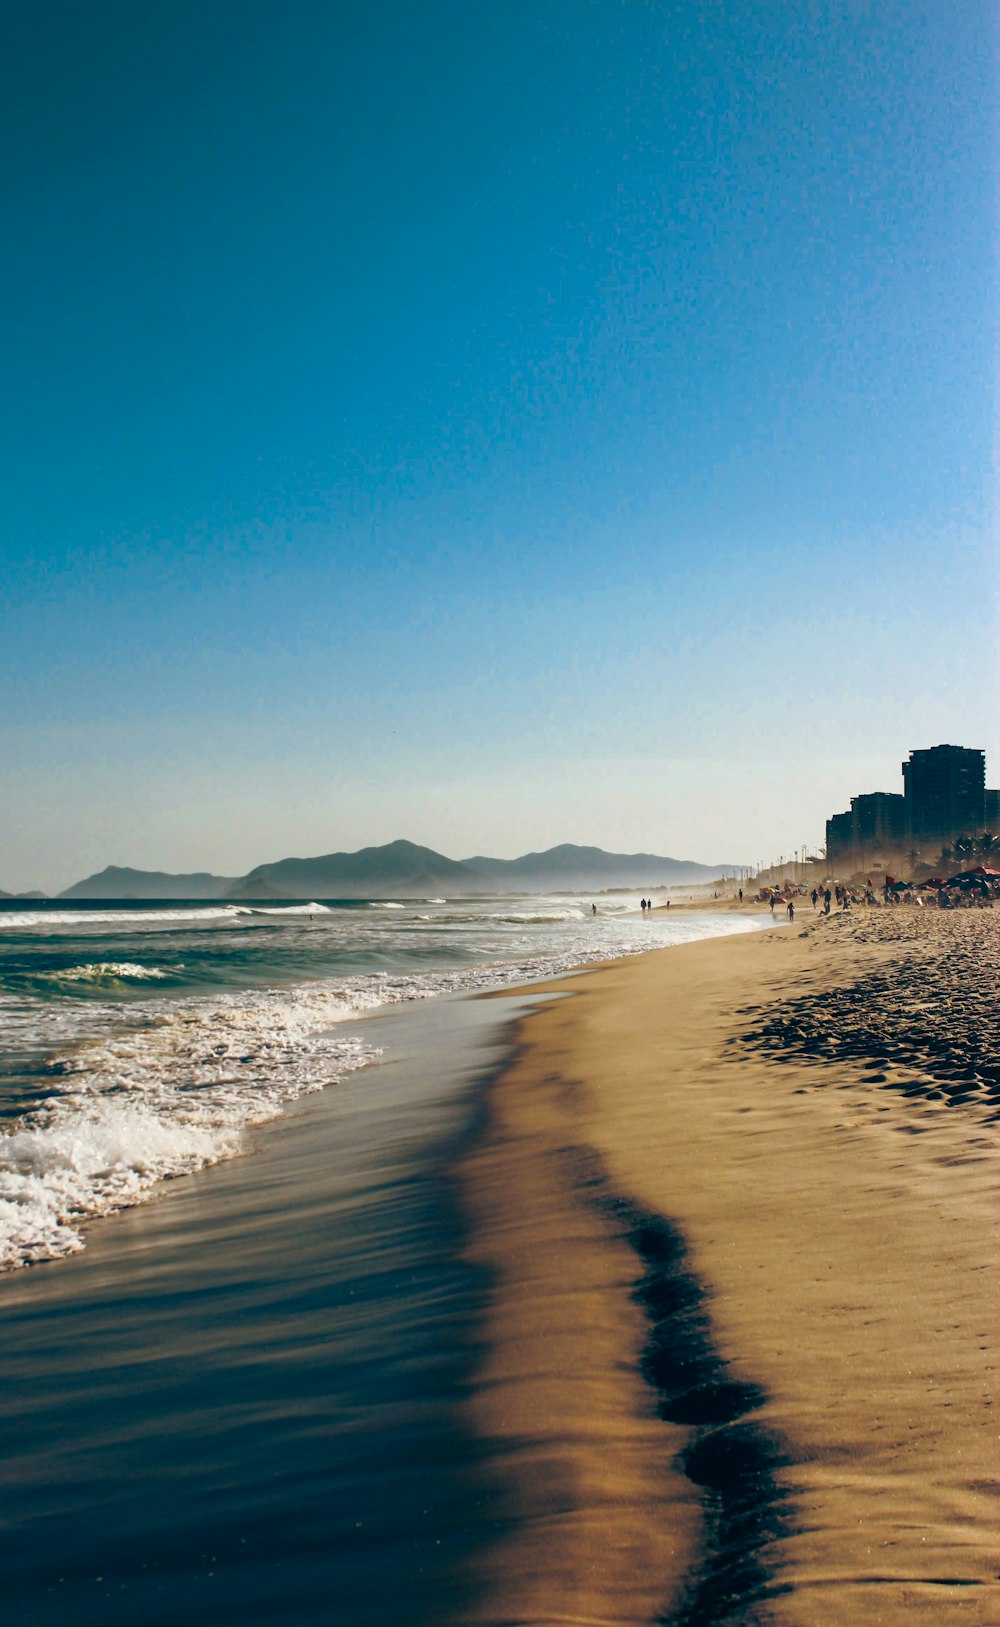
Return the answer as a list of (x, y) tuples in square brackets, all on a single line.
[(140, 1043)]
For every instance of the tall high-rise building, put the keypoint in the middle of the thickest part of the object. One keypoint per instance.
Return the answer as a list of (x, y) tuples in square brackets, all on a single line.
[(871, 831), (945, 794), (840, 842), (878, 821)]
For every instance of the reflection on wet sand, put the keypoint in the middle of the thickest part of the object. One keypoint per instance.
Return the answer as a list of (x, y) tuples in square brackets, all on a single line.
[(740, 1359)]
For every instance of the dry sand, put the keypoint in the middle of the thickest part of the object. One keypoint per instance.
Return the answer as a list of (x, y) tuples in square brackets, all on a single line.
[(739, 1204)]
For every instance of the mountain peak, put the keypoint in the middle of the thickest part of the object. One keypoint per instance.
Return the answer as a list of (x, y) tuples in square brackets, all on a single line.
[(404, 869)]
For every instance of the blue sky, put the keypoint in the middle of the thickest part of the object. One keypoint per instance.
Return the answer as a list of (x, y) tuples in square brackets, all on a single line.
[(494, 426)]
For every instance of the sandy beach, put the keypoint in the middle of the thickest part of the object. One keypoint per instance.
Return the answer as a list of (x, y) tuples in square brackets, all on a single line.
[(738, 1206)]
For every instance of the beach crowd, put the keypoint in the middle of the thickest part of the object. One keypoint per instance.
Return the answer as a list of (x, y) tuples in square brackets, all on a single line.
[(976, 889)]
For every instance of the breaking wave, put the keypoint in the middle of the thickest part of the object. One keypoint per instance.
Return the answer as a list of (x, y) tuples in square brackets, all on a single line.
[(105, 972), (162, 1099)]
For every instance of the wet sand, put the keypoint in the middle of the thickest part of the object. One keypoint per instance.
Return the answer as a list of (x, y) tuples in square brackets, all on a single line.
[(240, 1402), (738, 1204)]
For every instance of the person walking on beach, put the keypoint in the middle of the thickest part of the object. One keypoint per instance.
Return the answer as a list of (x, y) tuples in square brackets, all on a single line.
[(791, 910)]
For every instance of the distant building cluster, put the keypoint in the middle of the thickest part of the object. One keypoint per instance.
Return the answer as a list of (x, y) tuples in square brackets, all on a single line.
[(944, 799)]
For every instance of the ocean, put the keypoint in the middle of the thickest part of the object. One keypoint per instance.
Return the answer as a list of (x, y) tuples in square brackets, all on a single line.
[(238, 1321), (139, 1043)]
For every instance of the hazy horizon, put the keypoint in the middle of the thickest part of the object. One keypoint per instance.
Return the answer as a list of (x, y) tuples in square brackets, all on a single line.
[(234, 876), (500, 428)]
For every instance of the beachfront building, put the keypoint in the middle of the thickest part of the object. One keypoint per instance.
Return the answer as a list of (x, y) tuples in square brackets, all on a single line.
[(945, 797), (878, 821), (840, 844), (868, 835), (944, 790)]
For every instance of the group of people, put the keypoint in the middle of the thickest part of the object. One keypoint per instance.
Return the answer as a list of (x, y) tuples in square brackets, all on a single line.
[(976, 895), (976, 892)]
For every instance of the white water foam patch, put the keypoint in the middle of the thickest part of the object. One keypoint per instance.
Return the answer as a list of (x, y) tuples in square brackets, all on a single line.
[(89, 1160), (292, 909), (553, 917), (19, 920), (105, 971), (162, 1100), (36, 1027)]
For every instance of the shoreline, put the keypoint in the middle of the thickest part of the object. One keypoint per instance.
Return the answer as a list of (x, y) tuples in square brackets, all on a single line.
[(241, 1399), (832, 1213), (667, 1303)]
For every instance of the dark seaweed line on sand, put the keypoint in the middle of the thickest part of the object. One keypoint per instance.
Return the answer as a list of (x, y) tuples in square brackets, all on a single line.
[(731, 1458)]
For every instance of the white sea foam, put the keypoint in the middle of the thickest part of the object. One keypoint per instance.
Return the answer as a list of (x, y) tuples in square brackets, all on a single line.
[(89, 1160), (292, 909), (105, 971), (523, 918), (23, 919), (163, 1099)]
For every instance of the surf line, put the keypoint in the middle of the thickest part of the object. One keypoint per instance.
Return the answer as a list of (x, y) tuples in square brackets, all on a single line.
[(731, 1458)]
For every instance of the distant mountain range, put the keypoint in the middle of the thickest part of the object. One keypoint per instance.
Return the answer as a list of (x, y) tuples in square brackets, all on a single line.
[(404, 870), (116, 882)]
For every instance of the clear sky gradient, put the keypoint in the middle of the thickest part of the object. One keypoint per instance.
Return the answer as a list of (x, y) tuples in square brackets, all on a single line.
[(492, 425)]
